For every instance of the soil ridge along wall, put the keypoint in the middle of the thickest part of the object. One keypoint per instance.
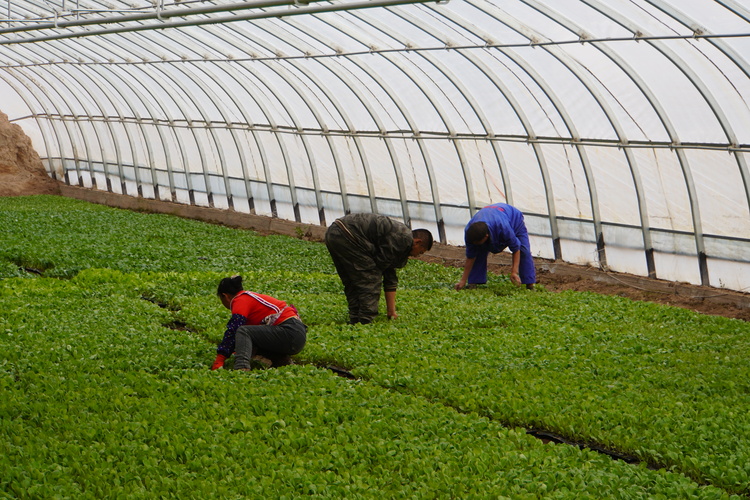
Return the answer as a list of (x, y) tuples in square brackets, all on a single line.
[(21, 169)]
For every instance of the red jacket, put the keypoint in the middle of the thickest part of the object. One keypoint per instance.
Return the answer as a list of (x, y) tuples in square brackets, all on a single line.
[(249, 308)]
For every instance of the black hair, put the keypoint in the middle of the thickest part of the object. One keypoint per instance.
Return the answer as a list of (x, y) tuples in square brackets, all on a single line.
[(231, 286), (476, 232), (424, 235)]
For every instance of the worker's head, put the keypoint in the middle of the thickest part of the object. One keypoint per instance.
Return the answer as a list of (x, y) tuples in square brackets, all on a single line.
[(422, 242), (477, 233), (228, 288)]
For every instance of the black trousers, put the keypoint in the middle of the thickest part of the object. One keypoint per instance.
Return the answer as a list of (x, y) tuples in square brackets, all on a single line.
[(271, 341)]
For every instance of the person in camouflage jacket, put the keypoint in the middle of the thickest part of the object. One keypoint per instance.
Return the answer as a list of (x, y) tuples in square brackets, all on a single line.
[(366, 250)]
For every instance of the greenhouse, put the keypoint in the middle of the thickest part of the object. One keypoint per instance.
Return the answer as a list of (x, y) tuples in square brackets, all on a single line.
[(151, 152), (619, 128)]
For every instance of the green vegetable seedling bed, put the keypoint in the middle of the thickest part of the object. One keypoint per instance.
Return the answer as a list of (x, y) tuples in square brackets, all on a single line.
[(103, 397)]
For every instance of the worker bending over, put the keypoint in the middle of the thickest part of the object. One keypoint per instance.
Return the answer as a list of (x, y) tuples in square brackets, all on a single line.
[(492, 229)]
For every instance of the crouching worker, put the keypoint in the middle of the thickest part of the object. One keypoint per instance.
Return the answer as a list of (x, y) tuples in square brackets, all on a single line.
[(260, 326)]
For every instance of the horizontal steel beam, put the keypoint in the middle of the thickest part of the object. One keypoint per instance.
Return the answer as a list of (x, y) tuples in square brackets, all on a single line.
[(159, 15)]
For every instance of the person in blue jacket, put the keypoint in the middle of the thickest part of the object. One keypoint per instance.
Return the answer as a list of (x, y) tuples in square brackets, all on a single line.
[(493, 229)]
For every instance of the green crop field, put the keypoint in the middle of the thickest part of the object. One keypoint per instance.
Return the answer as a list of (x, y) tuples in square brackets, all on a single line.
[(109, 322)]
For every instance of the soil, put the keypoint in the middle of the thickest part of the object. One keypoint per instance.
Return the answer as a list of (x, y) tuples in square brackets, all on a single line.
[(699, 302), (21, 169), (22, 173)]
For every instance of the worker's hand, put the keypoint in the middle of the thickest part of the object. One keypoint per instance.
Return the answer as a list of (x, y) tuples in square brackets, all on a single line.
[(515, 278), (218, 362), (392, 315), (460, 285)]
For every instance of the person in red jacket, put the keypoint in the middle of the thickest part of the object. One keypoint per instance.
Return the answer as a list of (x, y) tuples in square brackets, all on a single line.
[(260, 326)]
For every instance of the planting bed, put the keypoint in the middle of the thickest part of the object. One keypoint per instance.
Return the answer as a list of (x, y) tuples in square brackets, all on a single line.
[(107, 394)]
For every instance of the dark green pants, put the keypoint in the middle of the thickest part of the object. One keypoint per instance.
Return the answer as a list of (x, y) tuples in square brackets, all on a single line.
[(362, 280)]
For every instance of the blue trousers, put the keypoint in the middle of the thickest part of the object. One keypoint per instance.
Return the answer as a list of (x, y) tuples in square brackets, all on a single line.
[(526, 269)]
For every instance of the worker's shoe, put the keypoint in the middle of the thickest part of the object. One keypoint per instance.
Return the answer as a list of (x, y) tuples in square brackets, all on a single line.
[(260, 362), (280, 360), (363, 321)]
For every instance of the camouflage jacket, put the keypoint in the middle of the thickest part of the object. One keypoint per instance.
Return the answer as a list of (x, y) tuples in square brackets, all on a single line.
[(384, 244)]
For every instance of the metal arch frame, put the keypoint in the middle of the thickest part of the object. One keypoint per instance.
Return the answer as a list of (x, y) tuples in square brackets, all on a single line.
[(100, 69), (290, 111), (739, 10), (632, 163), (733, 56), (404, 111), (179, 68), (182, 107), (115, 141), (472, 104), (341, 110), (627, 150), (434, 101), (347, 120), (398, 171), (415, 130), (631, 160), (350, 124), (432, 177), (233, 74), (475, 107), (223, 111), (560, 107), (364, 4), (292, 82), (291, 178), (536, 147), (179, 140), (370, 111), (427, 161), (146, 102), (56, 105), (160, 15), (147, 138), (282, 146), (538, 151), (690, 24), (53, 124), (261, 147), (518, 109), (658, 109), (136, 16), (97, 132), (14, 82), (684, 163)]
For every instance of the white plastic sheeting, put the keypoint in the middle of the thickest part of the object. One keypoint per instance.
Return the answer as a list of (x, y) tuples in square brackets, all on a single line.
[(620, 127)]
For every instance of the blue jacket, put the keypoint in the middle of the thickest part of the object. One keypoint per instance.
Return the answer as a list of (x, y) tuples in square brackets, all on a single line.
[(506, 226)]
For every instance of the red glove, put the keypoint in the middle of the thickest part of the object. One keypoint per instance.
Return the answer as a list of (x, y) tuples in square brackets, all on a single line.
[(218, 362)]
